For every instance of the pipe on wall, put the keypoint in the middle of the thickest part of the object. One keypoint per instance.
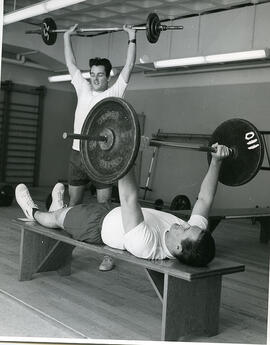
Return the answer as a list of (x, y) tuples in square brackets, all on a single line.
[(24, 63)]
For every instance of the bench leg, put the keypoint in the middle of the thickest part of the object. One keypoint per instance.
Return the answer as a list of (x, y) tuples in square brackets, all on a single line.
[(39, 253), (157, 281), (190, 308), (265, 229)]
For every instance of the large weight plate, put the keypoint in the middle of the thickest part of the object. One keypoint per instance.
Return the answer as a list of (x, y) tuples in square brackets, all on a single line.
[(247, 144), (48, 37), (107, 163)]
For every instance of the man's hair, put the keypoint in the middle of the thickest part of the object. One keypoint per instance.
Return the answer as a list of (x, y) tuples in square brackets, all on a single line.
[(97, 61), (199, 252)]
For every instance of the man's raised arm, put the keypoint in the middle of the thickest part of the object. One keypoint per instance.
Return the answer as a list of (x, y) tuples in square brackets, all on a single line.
[(209, 185), (69, 54), (131, 53)]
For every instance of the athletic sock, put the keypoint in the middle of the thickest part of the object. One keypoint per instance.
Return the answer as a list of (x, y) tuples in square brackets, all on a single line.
[(34, 211)]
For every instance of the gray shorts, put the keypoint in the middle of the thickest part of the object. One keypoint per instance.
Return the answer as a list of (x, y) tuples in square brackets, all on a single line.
[(77, 175), (84, 222)]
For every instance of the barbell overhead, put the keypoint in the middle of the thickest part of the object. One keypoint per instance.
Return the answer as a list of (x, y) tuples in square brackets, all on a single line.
[(110, 141), (153, 28)]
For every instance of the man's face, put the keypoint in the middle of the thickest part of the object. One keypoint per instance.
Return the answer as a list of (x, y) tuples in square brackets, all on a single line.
[(98, 78), (183, 232)]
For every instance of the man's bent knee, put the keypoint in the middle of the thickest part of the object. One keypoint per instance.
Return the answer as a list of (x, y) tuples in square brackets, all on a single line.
[(60, 216)]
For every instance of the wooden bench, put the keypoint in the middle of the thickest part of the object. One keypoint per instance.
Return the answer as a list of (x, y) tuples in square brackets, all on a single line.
[(190, 296), (262, 215)]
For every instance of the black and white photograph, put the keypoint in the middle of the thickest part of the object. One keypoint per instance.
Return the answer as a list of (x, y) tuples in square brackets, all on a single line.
[(134, 171)]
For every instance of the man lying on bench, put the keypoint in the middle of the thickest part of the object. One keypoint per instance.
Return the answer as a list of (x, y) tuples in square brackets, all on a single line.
[(145, 233)]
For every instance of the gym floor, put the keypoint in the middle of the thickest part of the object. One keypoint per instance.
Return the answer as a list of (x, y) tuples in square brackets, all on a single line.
[(121, 304)]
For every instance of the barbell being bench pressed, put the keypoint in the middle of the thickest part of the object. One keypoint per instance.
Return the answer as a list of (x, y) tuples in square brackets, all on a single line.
[(110, 142), (153, 28)]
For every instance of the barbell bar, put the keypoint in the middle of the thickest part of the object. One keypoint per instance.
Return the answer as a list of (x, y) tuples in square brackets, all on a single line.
[(48, 29), (84, 137), (84, 30), (112, 147), (152, 142)]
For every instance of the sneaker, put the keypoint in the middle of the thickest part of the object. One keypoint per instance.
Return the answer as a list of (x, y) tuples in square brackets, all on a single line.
[(107, 264), (57, 197), (25, 201)]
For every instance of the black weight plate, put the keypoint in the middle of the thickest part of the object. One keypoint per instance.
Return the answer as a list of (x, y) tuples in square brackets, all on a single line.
[(180, 202), (247, 144), (7, 194), (107, 165), (158, 204), (48, 37), (152, 28)]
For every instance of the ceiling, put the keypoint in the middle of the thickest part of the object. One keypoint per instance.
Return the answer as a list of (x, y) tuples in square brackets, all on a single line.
[(111, 13)]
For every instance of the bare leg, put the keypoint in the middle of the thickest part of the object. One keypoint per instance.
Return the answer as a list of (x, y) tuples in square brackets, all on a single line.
[(104, 195), (130, 208), (76, 194), (52, 220)]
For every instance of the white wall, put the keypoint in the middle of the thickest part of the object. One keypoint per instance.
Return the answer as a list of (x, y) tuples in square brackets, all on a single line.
[(14, 34)]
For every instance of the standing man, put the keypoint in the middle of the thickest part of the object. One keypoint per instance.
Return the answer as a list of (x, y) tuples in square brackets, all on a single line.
[(88, 94)]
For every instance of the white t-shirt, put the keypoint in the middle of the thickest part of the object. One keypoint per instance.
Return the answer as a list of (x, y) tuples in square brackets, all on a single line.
[(87, 98), (146, 240)]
